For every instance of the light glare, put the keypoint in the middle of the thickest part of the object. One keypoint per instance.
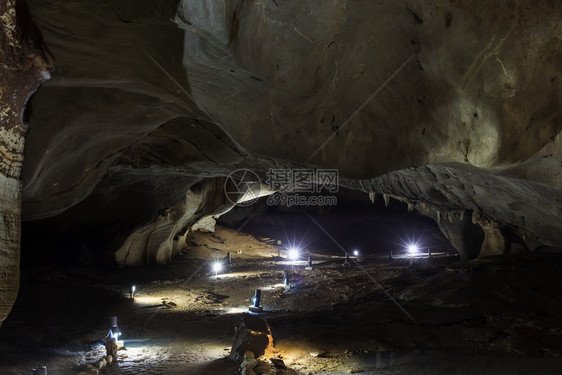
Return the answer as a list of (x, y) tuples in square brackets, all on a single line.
[(217, 267), (293, 253), (412, 248)]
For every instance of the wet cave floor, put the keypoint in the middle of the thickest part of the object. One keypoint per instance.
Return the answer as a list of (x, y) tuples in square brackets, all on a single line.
[(488, 316)]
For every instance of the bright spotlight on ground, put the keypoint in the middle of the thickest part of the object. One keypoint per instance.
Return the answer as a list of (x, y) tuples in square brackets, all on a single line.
[(412, 249), (293, 253), (356, 253), (217, 267)]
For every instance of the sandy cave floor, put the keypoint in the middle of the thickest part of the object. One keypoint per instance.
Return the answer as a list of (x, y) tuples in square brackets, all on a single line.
[(488, 316)]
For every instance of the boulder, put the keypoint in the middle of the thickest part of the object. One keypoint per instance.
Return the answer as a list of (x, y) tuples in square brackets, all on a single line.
[(252, 335)]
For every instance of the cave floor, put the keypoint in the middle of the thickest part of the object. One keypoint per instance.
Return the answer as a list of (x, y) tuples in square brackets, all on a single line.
[(490, 316)]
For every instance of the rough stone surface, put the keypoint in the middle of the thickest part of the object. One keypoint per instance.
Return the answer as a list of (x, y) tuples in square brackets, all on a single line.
[(523, 208), (248, 363), (252, 335), (154, 243), (453, 105), (476, 84), (24, 65), (278, 363), (495, 242), (465, 236)]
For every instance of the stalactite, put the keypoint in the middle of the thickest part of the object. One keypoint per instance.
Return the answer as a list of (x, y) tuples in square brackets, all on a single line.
[(386, 198)]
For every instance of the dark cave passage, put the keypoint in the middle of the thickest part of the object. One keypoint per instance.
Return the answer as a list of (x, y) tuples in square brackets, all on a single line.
[(355, 224)]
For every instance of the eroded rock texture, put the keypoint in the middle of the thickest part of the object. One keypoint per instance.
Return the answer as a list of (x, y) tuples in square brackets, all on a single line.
[(157, 242), (25, 64), (454, 105), (500, 203)]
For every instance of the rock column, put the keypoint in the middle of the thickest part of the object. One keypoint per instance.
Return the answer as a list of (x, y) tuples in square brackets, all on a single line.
[(25, 63)]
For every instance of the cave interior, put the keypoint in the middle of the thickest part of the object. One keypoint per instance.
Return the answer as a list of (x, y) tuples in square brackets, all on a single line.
[(280, 187)]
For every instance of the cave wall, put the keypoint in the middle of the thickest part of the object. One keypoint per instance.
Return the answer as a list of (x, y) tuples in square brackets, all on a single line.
[(25, 65), (471, 82), (191, 90), (112, 95), (500, 203), (476, 82), (454, 105), (465, 236), (156, 243), (449, 105)]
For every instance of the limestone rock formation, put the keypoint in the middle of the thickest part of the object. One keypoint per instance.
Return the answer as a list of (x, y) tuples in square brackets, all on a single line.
[(465, 236), (189, 89), (521, 207), (154, 243), (451, 105), (25, 65)]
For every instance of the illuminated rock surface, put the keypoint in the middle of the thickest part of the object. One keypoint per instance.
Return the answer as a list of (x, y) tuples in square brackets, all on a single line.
[(489, 316), (453, 107), (25, 64), (252, 335)]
